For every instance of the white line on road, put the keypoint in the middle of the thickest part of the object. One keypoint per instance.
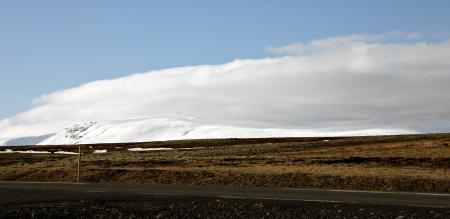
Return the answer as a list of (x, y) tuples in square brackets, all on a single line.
[(372, 192), (280, 199), (67, 183)]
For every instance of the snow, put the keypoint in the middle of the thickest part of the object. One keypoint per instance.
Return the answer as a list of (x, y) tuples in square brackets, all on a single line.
[(100, 151), (149, 149), (66, 152), (163, 149), (194, 148), (9, 151), (22, 141), (143, 130), (32, 152)]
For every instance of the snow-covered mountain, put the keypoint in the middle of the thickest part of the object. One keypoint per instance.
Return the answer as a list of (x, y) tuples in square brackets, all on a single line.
[(140, 130), (32, 140)]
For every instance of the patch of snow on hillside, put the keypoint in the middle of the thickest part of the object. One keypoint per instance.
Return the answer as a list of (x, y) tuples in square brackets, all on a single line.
[(194, 148), (9, 151), (66, 152), (149, 149)]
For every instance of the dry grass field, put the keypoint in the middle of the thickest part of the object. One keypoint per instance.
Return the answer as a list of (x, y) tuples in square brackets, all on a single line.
[(388, 163)]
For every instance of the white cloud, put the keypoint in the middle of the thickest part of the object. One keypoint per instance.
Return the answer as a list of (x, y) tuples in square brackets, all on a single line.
[(346, 82), (355, 42)]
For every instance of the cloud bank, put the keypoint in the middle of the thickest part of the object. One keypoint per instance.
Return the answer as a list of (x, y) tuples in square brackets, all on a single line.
[(392, 80)]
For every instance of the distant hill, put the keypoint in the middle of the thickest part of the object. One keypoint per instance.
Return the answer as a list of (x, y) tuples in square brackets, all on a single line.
[(141, 130)]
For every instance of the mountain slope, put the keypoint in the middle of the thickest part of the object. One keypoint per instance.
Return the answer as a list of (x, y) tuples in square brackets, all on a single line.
[(32, 140), (175, 129)]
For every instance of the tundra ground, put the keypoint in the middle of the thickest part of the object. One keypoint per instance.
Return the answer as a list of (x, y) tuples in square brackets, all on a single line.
[(389, 163)]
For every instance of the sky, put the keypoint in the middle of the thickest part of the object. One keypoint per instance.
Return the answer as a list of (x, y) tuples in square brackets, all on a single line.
[(299, 64), (47, 46)]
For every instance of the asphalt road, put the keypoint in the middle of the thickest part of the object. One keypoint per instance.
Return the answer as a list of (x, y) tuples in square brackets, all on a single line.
[(18, 192)]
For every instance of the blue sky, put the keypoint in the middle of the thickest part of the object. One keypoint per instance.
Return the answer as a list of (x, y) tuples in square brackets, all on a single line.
[(52, 45)]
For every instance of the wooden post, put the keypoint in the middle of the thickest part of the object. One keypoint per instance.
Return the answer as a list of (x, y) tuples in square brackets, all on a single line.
[(79, 161)]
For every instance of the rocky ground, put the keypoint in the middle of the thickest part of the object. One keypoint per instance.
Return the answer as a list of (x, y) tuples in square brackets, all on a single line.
[(175, 207)]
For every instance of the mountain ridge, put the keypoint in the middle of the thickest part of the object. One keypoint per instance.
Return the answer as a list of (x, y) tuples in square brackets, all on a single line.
[(142, 130)]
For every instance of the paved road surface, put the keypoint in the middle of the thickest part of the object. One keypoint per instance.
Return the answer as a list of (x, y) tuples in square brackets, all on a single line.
[(17, 192)]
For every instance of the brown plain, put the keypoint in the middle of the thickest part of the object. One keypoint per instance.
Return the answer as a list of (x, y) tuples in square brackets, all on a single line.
[(388, 163)]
